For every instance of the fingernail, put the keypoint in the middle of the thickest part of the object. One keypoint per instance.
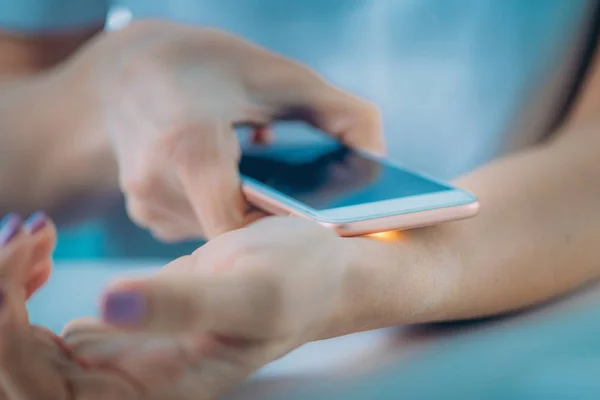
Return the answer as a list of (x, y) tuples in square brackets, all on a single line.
[(124, 308), (36, 222), (9, 228)]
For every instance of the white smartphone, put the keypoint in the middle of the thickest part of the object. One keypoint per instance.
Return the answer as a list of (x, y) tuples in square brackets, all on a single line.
[(350, 191)]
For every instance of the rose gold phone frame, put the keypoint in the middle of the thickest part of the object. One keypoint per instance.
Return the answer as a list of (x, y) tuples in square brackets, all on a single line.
[(372, 225)]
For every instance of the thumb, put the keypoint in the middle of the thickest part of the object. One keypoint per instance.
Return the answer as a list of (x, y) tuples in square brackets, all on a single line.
[(177, 303)]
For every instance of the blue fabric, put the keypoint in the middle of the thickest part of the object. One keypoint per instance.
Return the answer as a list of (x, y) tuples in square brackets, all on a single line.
[(452, 77), (47, 15)]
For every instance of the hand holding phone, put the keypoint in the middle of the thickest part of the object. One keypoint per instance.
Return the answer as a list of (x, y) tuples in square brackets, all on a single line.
[(350, 191)]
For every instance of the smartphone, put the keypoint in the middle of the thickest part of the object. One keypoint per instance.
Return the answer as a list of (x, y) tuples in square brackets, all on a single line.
[(352, 192)]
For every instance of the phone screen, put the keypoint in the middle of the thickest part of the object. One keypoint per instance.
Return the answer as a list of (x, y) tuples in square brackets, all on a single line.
[(330, 175)]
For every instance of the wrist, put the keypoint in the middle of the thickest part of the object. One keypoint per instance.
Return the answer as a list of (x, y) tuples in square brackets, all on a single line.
[(393, 281)]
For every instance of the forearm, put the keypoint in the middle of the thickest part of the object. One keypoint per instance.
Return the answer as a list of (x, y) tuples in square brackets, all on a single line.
[(536, 237), (50, 150)]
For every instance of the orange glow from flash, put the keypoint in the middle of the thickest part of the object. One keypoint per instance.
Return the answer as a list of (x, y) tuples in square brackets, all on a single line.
[(391, 236)]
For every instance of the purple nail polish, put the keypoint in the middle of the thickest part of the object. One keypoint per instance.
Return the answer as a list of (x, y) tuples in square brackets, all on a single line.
[(9, 228), (124, 308), (36, 222)]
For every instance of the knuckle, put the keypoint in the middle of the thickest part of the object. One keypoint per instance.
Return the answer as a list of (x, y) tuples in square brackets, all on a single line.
[(188, 143)]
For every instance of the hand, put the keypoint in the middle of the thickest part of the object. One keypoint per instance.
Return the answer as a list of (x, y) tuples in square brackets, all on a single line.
[(35, 363), (242, 300), (170, 97)]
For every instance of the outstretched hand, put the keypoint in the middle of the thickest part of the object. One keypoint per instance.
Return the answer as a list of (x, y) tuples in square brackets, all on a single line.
[(245, 299), (194, 331), (34, 362)]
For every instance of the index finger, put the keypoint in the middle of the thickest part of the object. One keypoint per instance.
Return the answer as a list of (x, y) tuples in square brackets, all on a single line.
[(208, 170)]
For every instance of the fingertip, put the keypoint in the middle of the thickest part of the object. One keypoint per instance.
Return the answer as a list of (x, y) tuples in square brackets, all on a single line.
[(36, 222), (124, 307), (165, 304), (366, 128), (217, 199), (10, 226), (41, 227), (83, 324)]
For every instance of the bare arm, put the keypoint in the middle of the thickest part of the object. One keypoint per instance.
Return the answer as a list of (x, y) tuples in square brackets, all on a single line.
[(537, 237), (47, 151)]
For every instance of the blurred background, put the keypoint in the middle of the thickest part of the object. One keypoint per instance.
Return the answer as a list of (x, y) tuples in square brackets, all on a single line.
[(459, 82)]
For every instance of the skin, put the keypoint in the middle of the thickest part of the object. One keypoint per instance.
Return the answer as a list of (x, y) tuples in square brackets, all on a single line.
[(256, 293), (32, 353), (92, 361)]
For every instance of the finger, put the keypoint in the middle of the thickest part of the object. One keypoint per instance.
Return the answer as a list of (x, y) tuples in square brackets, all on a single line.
[(92, 340), (24, 361), (43, 234), (158, 361), (10, 227), (177, 303), (155, 200), (26, 257), (37, 281), (209, 173), (164, 224), (80, 329)]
